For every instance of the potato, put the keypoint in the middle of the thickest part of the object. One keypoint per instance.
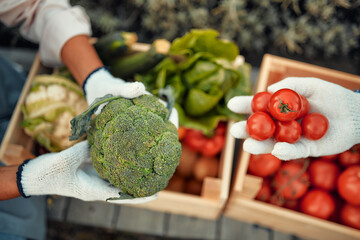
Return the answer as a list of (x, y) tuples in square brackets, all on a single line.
[(176, 183), (193, 186), (187, 162), (206, 167)]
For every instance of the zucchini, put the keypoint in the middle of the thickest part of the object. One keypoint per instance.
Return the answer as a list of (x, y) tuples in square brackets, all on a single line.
[(114, 45), (140, 62)]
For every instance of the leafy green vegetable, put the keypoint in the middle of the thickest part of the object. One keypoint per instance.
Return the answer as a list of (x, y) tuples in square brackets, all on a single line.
[(201, 73), (199, 102), (199, 40)]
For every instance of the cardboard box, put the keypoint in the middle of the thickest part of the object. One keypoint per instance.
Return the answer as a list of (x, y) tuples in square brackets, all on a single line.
[(242, 206), (17, 146)]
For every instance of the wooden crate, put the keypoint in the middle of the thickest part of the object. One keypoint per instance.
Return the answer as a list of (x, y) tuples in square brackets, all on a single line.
[(241, 204), (17, 146)]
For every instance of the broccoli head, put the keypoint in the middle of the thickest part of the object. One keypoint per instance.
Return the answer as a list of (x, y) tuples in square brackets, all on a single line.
[(134, 146)]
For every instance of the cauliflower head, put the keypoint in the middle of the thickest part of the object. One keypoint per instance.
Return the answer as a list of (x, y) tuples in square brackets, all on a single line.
[(48, 108), (134, 146)]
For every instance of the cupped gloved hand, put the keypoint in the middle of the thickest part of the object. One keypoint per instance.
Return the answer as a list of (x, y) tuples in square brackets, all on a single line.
[(340, 105), (69, 173), (101, 82)]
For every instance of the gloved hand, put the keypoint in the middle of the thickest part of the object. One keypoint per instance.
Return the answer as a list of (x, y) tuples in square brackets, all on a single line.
[(340, 105), (101, 82), (68, 173)]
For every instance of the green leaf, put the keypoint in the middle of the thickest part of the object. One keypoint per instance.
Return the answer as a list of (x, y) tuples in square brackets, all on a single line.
[(169, 96), (186, 44), (81, 123), (199, 71), (177, 86), (31, 123), (217, 47), (160, 79), (206, 124), (244, 86), (204, 40), (224, 79), (190, 61), (198, 102)]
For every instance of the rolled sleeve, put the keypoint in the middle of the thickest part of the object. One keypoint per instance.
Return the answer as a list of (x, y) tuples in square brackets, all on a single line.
[(51, 23), (61, 27)]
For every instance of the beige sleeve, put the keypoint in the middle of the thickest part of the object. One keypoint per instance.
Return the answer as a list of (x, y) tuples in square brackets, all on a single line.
[(48, 22)]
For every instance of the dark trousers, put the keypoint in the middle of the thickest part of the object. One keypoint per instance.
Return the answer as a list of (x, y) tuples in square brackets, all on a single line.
[(20, 218)]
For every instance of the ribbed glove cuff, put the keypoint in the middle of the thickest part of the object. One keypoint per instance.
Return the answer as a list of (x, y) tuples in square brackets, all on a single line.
[(18, 179), (88, 77)]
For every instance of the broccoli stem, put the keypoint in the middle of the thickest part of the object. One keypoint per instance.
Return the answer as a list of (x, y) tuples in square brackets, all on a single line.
[(168, 94), (81, 123), (123, 196)]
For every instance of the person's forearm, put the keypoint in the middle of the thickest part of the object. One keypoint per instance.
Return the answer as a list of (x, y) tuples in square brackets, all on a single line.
[(80, 57), (8, 183)]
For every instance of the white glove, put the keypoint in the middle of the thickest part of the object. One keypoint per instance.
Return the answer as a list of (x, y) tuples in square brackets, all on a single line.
[(68, 173), (101, 82), (340, 105)]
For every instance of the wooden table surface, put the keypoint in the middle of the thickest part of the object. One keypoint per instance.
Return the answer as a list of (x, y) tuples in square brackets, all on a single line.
[(137, 220)]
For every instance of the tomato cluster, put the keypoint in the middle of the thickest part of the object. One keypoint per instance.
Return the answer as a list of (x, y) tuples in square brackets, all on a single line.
[(285, 116), (208, 146), (326, 187)]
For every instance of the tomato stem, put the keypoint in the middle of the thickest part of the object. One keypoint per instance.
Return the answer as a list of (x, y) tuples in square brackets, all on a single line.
[(292, 179), (284, 108)]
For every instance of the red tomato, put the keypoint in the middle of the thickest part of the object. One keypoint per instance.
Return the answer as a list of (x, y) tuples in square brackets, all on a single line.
[(323, 174), (305, 107), (260, 126), (329, 158), (213, 146), (260, 102), (289, 131), (314, 126), (207, 146), (277, 201), (350, 216), (285, 105), (263, 165), (318, 203), (264, 193), (181, 132), (290, 182), (339, 203), (291, 204), (349, 158), (348, 185), (221, 129), (194, 139)]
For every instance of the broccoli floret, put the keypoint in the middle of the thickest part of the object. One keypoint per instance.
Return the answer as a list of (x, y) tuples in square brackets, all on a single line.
[(134, 146)]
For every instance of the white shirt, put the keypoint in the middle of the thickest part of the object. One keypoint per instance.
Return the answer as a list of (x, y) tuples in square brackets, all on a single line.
[(48, 22)]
